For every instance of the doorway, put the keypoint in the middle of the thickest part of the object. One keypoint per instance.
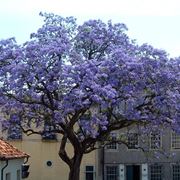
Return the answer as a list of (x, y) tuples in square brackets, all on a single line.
[(133, 172)]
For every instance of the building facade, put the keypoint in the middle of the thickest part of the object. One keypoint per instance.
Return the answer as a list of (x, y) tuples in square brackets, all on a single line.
[(45, 163), (154, 156)]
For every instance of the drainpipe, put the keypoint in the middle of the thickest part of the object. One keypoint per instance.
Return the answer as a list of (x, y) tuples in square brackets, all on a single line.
[(2, 170), (103, 164)]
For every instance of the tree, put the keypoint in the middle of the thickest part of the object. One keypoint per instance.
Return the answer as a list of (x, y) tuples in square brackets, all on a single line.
[(85, 82)]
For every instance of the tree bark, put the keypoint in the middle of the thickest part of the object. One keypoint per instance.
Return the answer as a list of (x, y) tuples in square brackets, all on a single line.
[(74, 173)]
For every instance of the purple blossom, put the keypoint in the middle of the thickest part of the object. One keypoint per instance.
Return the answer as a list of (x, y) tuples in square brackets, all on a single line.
[(87, 80)]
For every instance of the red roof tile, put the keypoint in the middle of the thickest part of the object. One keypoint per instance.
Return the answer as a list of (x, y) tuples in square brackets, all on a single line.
[(7, 151)]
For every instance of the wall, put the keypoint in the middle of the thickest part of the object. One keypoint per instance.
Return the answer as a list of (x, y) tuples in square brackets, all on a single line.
[(42, 151)]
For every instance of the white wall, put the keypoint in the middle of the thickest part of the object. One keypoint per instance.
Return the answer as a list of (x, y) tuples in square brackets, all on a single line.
[(13, 166)]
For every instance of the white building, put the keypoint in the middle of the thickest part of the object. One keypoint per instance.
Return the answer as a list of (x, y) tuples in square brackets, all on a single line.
[(11, 161)]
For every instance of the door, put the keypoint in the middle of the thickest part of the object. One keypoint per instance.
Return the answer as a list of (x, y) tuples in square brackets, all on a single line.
[(133, 172)]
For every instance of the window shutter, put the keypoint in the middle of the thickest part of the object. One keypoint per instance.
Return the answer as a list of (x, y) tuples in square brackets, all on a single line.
[(144, 171), (121, 172)]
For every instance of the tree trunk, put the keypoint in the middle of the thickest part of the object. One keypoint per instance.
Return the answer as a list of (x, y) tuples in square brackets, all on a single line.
[(74, 173)]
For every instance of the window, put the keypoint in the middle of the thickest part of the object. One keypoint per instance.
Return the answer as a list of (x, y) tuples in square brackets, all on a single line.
[(89, 172), (155, 140), (12, 127), (113, 145), (18, 174), (156, 172), (175, 140), (111, 173), (132, 141), (176, 171), (14, 133), (47, 134), (8, 176)]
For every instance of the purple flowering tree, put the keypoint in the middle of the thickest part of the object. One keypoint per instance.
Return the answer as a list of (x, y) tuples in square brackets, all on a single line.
[(85, 82)]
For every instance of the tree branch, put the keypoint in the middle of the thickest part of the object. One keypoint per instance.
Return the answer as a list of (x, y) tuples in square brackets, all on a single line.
[(62, 152)]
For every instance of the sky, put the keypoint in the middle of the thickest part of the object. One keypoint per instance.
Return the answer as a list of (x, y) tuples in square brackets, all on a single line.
[(156, 22)]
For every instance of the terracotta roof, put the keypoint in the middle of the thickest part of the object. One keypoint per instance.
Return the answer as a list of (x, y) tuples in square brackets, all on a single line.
[(7, 151)]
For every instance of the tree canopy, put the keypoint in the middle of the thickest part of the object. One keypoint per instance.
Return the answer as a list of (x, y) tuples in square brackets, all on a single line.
[(86, 81)]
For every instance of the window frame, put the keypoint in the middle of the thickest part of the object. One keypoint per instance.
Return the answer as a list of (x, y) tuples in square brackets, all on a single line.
[(93, 172), (172, 170), (51, 136), (116, 174), (160, 141), (156, 173), (110, 147), (18, 174), (177, 136), (132, 148), (11, 136), (8, 176)]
